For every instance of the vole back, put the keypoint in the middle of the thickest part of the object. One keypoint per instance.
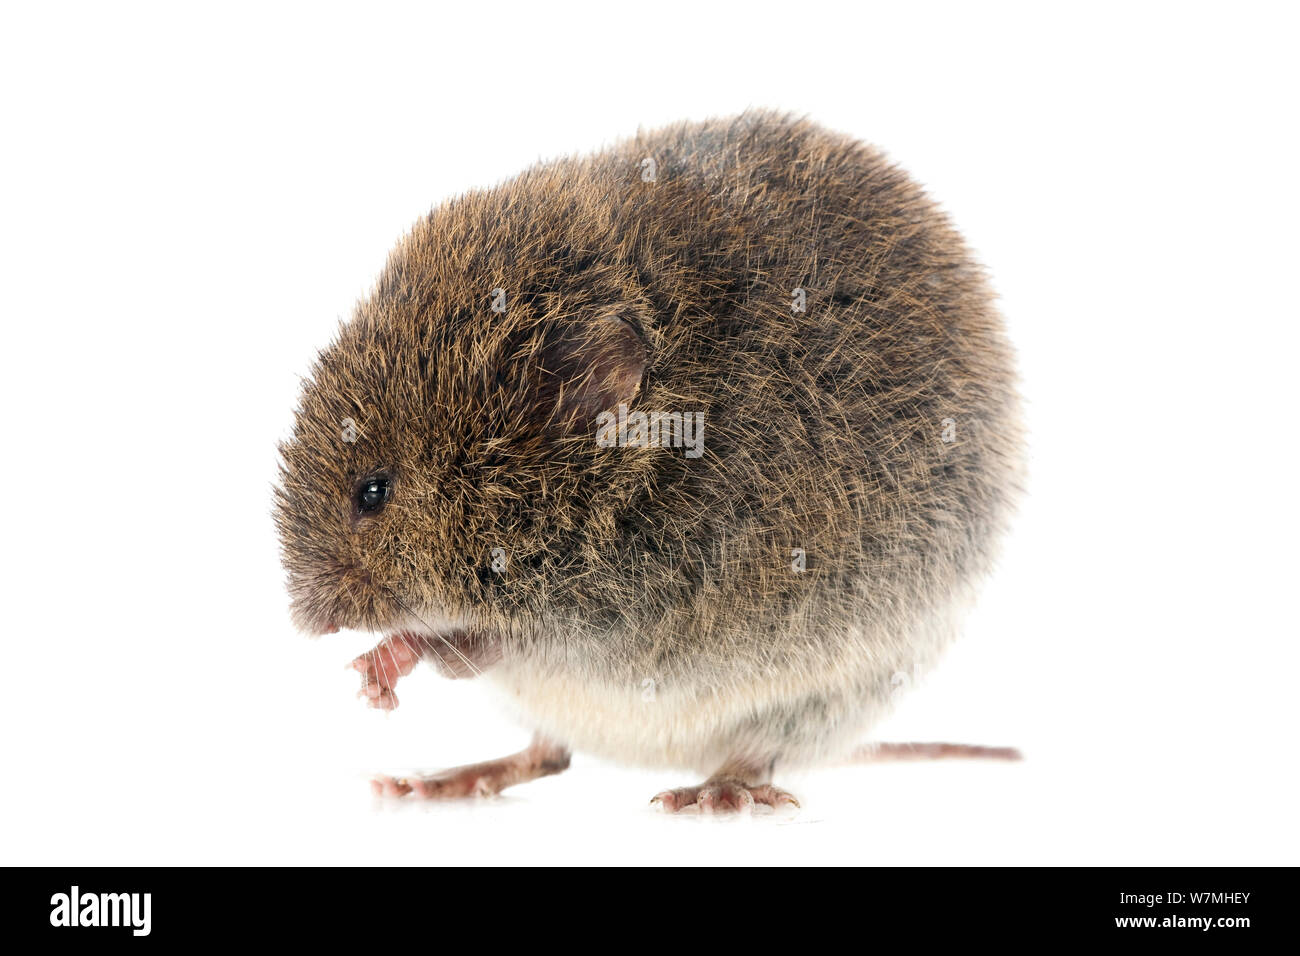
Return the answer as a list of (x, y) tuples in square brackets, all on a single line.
[(696, 445)]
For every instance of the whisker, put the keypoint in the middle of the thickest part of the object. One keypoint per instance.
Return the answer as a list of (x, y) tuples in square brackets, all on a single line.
[(454, 649)]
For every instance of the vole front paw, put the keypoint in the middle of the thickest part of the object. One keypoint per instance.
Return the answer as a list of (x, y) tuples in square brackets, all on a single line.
[(381, 667)]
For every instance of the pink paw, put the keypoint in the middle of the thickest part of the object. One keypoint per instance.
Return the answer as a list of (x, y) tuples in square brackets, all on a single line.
[(381, 667), (461, 782), (726, 796), (486, 779)]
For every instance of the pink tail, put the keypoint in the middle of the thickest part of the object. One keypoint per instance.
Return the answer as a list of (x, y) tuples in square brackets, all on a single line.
[(876, 752)]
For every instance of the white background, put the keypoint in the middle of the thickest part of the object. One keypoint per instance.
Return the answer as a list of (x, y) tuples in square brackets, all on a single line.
[(192, 200)]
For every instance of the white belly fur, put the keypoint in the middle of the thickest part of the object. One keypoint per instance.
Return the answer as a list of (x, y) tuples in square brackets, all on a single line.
[(700, 728)]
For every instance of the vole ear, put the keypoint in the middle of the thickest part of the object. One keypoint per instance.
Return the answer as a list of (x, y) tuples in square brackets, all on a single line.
[(590, 369)]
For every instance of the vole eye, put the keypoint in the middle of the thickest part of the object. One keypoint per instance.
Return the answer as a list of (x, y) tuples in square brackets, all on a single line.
[(371, 495)]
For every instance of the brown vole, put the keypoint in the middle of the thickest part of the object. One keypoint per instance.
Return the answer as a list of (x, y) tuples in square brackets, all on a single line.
[(695, 445)]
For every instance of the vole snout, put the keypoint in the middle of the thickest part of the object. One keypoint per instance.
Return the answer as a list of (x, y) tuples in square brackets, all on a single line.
[(338, 596)]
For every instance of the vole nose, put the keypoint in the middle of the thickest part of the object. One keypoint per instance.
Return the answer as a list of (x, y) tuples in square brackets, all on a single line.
[(330, 628)]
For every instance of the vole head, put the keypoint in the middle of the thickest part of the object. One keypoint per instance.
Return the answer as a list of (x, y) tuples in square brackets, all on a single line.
[(441, 448)]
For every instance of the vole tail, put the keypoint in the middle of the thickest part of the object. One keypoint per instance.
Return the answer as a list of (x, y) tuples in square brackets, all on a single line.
[(931, 751)]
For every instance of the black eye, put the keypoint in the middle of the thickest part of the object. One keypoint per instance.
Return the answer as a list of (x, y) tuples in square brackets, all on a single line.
[(371, 495)]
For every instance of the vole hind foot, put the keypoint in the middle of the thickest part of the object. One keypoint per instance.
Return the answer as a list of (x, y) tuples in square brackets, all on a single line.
[(541, 759), (725, 795)]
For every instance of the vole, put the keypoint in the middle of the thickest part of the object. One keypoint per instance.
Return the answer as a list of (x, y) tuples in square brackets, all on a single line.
[(697, 446)]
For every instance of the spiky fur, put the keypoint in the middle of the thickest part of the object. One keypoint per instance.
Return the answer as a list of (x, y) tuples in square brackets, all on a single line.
[(650, 610)]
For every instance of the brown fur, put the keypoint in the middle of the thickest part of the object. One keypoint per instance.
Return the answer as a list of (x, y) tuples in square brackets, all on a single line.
[(823, 433)]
